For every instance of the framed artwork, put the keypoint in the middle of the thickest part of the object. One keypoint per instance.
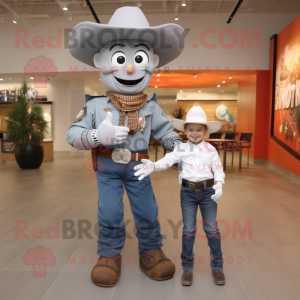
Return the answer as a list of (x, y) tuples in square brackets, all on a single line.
[(285, 122)]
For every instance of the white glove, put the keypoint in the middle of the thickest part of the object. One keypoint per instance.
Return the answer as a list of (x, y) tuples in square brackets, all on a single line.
[(145, 169), (218, 192), (109, 134)]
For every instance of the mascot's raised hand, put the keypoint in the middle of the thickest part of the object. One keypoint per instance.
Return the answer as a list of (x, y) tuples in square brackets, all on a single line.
[(108, 134)]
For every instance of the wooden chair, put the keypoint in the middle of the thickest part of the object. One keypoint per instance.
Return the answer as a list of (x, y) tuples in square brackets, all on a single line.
[(246, 137), (228, 145)]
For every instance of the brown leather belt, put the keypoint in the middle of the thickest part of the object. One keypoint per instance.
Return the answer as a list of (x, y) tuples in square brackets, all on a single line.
[(108, 154), (197, 186), (133, 155)]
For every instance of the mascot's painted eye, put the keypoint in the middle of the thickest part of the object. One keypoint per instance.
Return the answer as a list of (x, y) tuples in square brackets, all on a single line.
[(141, 59), (118, 59)]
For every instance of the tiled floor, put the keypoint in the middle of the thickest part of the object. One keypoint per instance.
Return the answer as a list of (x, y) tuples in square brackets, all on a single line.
[(262, 262)]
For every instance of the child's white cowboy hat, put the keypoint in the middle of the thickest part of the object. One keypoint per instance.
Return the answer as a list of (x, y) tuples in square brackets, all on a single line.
[(128, 22), (197, 115)]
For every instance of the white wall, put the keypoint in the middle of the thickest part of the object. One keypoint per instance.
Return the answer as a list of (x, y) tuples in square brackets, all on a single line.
[(59, 93), (13, 60)]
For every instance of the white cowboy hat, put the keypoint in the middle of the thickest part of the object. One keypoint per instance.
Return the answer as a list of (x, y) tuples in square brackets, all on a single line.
[(197, 115), (128, 22)]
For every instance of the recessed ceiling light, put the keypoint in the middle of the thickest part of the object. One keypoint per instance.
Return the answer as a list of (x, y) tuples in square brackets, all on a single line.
[(222, 91), (9, 78), (157, 79), (180, 91), (199, 91), (31, 77), (176, 19), (156, 87), (218, 85), (230, 77), (195, 76), (223, 81), (1, 79), (158, 75), (183, 3)]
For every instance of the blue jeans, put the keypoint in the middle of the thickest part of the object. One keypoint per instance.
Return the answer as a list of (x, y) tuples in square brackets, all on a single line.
[(111, 177), (190, 200)]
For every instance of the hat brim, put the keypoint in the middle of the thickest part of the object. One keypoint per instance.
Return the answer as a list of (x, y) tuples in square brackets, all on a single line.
[(212, 126), (166, 44)]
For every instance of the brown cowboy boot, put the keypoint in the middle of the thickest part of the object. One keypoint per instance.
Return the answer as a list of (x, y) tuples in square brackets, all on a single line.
[(219, 277), (107, 271), (155, 264)]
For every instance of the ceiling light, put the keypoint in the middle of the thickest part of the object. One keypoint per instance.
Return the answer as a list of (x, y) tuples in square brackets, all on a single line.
[(31, 77), (1, 79), (195, 76), (176, 19), (222, 91), (156, 87), (9, 78), (223, 81), (158, 75), (15, 20), (157, 79), (199, 91), (1, 20), (183, 3), (64, 6), (230, 77), (180, 91), (218, 85), (70, 17)]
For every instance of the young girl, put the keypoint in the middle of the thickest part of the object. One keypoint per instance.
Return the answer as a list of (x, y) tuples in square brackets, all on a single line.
[(199, 187)]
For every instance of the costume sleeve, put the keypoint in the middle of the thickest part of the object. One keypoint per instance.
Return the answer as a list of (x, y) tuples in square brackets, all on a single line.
[(169, 160), (79, 134), (162, 130), (217, 168)]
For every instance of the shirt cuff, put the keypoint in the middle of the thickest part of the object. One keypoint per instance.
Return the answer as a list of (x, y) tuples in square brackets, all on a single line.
[(91, 139)]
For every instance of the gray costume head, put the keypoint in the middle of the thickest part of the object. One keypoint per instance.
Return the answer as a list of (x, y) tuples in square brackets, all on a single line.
[(126, 50)]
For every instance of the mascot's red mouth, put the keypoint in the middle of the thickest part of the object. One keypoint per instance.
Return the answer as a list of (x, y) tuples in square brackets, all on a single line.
[(129, 82)]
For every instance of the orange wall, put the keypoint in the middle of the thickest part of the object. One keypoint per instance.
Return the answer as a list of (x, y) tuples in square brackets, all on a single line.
[(246, 108), (262, 111)]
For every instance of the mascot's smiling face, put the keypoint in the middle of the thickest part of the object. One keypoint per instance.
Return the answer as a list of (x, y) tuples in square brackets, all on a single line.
[(126, 66)]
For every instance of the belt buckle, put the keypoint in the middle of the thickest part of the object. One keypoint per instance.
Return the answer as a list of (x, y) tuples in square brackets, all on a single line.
[(121, 156), (196, 186)]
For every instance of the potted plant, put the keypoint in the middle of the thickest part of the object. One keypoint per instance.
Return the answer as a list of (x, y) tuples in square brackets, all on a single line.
[(26, 127), (179, 113)]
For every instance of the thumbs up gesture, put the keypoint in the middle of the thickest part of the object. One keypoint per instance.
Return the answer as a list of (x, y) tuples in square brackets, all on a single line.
[(109, 134)]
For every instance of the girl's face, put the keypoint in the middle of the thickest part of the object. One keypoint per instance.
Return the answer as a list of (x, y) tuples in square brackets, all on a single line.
[(195, 132)]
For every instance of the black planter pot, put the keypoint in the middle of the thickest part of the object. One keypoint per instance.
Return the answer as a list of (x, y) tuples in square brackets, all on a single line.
[(29, 156)]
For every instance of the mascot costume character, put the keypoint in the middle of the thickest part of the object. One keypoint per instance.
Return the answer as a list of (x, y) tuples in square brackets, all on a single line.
[(116, 127)]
